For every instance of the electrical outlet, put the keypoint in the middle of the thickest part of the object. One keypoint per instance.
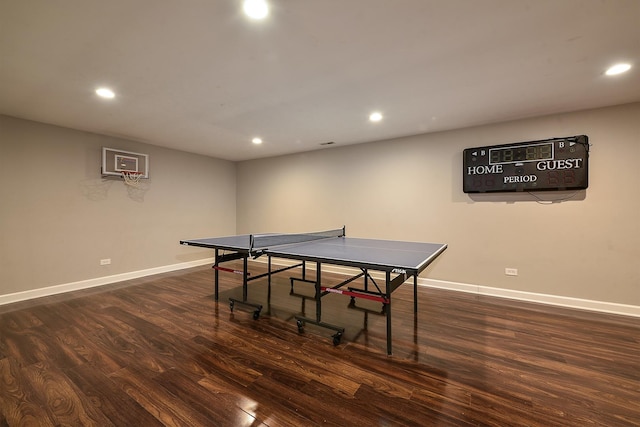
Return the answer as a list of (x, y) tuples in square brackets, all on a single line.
[(105, 261), (511, 271)]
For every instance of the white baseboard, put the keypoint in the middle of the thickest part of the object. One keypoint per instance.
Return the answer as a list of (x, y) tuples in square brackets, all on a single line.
[(98, 281), (569, 302), (583, 304)]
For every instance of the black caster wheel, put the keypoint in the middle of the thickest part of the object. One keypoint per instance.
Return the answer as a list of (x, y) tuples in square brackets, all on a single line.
[(231, 304), (336, 338), (256, 315), (300, 324)]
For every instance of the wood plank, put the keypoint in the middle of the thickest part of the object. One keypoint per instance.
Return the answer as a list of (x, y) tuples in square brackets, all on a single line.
[(160, 351), (19, 404), (63, 402), (104, 395)]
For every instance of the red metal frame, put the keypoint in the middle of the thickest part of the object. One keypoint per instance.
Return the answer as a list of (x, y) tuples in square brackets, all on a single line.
[(381, 299)]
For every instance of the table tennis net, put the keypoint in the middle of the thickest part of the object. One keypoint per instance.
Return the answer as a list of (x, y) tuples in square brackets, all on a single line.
[(263, 241)]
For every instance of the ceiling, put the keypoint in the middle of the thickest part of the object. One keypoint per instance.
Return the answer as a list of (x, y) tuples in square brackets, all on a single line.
[(200, 76)]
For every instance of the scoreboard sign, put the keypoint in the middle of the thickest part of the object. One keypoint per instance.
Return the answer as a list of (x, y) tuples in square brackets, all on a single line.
[(551, 164)]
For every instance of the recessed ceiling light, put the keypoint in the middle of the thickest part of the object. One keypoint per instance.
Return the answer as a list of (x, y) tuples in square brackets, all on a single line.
[(618, 69), (256, 141), (375, 117), (256, 9), (105, 93)]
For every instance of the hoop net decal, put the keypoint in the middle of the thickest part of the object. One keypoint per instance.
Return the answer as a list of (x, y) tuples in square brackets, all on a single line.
[(132, 178)]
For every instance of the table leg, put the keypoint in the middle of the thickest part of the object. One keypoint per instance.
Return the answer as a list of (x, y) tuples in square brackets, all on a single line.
[(318, 296), (301, 320), (245, 277), (216, 277), (388, 278), (269, 281), (415, 293)]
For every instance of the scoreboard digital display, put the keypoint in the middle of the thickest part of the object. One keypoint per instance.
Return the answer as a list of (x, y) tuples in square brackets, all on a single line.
[(551, 164)]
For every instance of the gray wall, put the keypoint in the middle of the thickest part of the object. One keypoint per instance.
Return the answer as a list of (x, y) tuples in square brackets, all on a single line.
[(58, 218), (56, 224), (411, 189)]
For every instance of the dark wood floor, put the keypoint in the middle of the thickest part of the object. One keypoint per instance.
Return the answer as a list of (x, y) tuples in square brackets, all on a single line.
[(159, 351)]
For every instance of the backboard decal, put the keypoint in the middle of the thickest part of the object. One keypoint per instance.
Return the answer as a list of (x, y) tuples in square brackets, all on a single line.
[(115, 162)]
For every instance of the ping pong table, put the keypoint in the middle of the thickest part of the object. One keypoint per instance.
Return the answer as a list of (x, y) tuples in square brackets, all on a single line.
[(398, 260)]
